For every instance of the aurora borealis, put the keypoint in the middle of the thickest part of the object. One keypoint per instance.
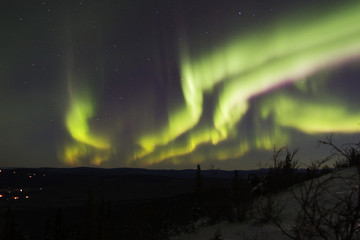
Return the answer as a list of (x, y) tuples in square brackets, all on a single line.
[(169, 84)]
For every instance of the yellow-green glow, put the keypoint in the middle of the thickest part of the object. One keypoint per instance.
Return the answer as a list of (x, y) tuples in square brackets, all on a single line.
[(73, 154), (87, 147), (80, 112), (286, 63), (257, 62), (267, 140), (312, 116), (177, 155), (179, 152), (180, 121), (76, 154)]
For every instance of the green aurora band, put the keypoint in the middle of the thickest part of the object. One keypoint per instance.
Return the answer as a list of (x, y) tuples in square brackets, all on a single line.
[(86, 145), (314, 116), (253, 64), (80, 112), (244, 68)]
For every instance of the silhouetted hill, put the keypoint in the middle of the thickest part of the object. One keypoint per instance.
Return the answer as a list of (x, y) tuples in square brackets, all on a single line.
[(69, 186), (186, 173), (135, 194)]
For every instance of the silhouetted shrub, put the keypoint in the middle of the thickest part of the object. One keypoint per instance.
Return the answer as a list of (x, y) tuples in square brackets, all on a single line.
[(347, 154), (266, 209), (283, 172)]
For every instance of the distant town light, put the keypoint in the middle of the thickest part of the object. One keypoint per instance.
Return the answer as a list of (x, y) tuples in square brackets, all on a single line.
[(16, 198), (26, 197), (1, 195)]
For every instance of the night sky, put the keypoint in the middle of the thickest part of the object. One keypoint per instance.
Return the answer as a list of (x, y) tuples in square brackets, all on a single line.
[(169, 84)]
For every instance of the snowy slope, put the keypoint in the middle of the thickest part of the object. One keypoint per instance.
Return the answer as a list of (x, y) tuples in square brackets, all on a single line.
[(336, 185)]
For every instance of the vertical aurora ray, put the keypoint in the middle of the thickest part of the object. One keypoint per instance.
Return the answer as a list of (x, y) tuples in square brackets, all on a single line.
[(76, 153), (179, 153), (77, 122), (245, 67), (179, 121), (86, 145)]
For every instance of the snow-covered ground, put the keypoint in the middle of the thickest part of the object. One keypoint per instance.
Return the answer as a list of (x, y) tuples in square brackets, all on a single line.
[(336, 185)]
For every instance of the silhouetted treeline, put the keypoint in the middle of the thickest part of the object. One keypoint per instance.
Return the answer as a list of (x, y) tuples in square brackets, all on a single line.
[(210, 200)]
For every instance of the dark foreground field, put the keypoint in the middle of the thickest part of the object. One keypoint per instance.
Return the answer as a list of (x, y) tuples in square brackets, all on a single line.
[(90, 203)]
